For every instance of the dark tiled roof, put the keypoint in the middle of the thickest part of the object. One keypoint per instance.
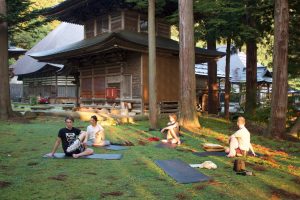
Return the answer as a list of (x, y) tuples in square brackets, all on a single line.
[(88, 46), (64, 34), (77, 11)]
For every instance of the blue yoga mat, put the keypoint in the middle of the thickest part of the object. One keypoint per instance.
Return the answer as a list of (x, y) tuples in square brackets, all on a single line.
[(94, 156), (115, 147), (181, 172)]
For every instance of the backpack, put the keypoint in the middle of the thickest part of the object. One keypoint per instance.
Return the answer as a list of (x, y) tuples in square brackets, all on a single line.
[(239, 165)]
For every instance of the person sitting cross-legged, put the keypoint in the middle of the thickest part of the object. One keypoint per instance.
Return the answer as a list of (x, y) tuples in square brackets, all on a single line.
[(239, 142), (72, 141), (172, 129), (95, 132)]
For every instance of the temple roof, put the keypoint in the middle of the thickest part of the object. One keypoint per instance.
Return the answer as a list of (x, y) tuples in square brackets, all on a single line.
[(77, 11), (132, 41)]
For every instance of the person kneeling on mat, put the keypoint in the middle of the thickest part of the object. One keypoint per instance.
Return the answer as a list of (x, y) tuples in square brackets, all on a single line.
[(239, 142), (172, 130), (95, 133), (71, 139)]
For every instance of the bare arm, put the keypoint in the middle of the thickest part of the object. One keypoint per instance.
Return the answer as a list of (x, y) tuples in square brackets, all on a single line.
[(170, 127), (252, 150), (55, 147)]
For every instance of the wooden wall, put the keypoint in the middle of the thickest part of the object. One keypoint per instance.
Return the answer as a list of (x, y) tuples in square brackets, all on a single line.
[(122, 20), (167, 70), (133, 68), (131, 21), (46, 86), (125, 76)]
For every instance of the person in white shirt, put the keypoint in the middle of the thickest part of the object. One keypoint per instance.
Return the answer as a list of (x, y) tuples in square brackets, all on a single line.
[(95, 133), (239, 142)]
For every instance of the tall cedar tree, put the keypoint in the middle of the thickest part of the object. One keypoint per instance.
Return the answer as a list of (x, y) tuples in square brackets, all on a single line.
[(152, 65), (188, 115), (13, 13), (280, 72)]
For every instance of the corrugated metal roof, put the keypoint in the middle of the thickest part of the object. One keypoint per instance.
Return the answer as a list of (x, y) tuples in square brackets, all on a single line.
[(238, 68), (64, 34), (201, 69)]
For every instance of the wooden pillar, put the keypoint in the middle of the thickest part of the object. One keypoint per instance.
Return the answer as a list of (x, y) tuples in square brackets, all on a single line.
[(152, 65), (212, 79), (56, 87)]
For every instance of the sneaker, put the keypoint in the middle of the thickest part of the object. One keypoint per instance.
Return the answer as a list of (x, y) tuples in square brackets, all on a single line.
[(74, 146)]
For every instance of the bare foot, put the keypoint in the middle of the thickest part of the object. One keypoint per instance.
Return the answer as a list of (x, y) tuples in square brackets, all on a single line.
[(227, 150), (75, 155)]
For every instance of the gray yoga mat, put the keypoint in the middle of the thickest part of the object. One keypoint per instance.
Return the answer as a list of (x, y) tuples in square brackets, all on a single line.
[(115, 147), (166, 145), (94, 156), (181, 172)]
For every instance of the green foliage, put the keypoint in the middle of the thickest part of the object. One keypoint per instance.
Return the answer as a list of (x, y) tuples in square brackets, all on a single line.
[(20, 17), (159, 4), (294, 83), (35, 29), (33, 100)]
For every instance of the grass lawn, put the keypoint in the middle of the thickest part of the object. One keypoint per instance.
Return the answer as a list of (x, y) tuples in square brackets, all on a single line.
[(24, 174)]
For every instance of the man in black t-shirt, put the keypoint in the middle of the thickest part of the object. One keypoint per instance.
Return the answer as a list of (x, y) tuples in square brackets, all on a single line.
[(71, 139)]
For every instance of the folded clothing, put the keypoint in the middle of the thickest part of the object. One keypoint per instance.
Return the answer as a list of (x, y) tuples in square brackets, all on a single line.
[(206, 164), (213, 147)]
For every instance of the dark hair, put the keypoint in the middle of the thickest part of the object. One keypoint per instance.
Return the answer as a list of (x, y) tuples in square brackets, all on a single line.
[(94, 117), (69, 118)]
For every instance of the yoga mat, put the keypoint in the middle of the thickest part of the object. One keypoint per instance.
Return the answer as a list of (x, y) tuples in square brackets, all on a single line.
[(210, 153), (181, 172), (166, 145), (94, 156), (115, 147)]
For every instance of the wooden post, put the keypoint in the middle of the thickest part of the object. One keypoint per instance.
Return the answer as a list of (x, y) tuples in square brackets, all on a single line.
[(152, 65), (251, 77), (188, 114), (227, 81), (213, 102), (56, 88), (277, 124)]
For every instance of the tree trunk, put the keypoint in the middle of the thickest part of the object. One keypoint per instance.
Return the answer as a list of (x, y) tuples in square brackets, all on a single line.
[(251, 77), (152, 66), (5, 105), (188, 115), (213, 98), (227, 79), (277, 124)]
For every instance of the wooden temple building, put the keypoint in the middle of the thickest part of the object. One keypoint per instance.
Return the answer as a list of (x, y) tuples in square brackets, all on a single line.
[(111, 63)]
